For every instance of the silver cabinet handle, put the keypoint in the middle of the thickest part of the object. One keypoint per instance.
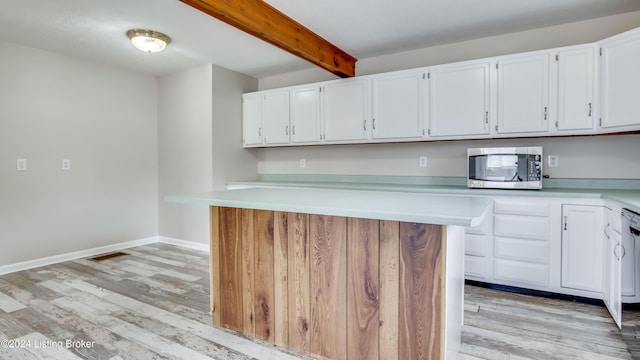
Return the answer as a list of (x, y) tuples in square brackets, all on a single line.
[(545, 113), (589, 109), (365, 125), (374, 124), (624, 251), (565, 223), (286, 130), (486, 117), (293, 130), (260, 131)]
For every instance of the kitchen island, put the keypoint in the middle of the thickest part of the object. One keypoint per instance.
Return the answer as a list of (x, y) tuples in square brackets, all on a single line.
[(344, 274)]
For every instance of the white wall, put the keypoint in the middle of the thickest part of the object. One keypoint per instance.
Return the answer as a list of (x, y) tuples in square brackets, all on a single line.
[(581, 157), (231, 162), (200, 144), (101, 118), (185, 151), (538, 39)]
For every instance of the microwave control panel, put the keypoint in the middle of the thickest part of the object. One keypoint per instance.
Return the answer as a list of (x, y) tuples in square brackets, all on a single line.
[(535, 168)]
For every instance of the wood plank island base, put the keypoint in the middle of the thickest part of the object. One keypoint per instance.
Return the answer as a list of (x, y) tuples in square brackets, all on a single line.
[(329, 284)]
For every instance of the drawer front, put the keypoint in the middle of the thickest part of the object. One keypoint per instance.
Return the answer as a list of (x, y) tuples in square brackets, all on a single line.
[(521, 272), (522, 250), (476, 245), (522, 207), (475, 267), (527, 227)]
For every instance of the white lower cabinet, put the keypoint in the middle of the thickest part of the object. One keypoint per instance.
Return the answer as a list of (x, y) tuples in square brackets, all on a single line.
[(521, 242), (582, 247), (521, 273), (612, 265), (549, 244), (479, 251)]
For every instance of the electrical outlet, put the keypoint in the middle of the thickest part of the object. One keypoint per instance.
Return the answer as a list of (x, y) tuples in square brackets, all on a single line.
[(423, 161), (66, 164), (553, 161), (21, 164), (303, 163)]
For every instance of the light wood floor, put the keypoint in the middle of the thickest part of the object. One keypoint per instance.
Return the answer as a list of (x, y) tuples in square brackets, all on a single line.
[(504, 325), (153, 304)]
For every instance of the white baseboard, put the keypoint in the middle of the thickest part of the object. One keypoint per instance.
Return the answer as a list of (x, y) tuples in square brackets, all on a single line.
[(184, 243), (30, 264)]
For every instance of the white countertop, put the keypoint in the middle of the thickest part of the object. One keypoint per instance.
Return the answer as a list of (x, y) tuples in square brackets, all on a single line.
[(383, 205), (629, 199)]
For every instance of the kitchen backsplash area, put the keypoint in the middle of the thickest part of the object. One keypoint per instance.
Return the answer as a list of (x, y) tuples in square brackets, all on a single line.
[(598, 157)]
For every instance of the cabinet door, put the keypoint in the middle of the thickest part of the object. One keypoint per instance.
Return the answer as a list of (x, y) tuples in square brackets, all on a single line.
[(628, 256), (582, 247), (523, 94), (275, 117), (611, 292), (398, 106), (620, 81), (459, 101), (305, 115), (252, 119), (575, 89), (344, 110)]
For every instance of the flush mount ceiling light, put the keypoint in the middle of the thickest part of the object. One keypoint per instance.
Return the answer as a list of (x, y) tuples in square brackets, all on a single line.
[(148, 40)]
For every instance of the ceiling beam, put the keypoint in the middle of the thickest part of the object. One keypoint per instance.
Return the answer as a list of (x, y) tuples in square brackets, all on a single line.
[(265, 22)]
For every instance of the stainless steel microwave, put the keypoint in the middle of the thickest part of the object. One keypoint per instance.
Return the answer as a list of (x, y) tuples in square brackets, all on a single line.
[(505, 167)]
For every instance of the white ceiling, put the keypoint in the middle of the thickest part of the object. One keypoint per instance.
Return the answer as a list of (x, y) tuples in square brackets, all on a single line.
[(95, 29)]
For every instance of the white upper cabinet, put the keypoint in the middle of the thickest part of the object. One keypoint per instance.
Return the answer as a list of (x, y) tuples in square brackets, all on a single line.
[(575, 89), (252, 119), (345, 110), (620, 82), (275, 117), (523, 94), (398, 106), (459, 101), (305, 115)]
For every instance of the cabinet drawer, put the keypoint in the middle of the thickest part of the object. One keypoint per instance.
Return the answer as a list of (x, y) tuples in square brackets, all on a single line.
[(475, 267), (526, 227), (522, 207), (476, 245), (521, 272), (523, 250)]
